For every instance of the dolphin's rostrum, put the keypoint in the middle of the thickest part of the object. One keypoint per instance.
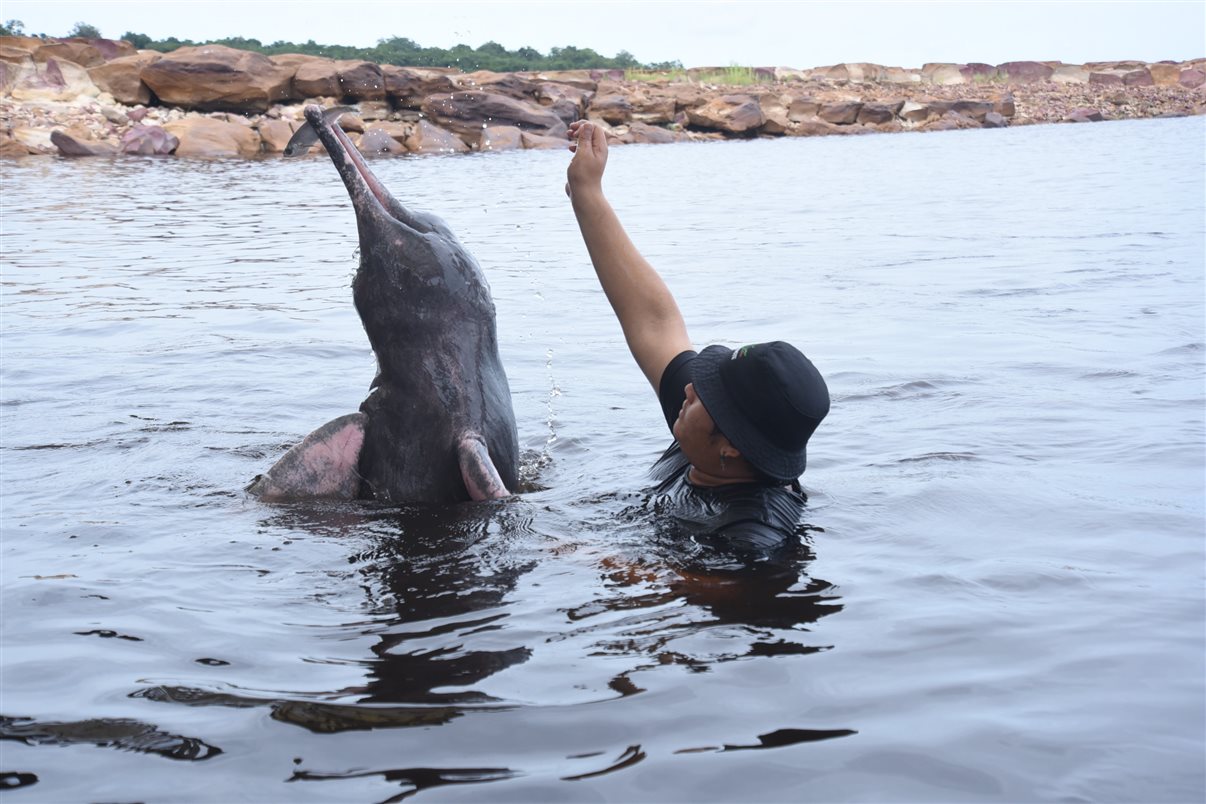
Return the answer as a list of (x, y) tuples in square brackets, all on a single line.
[(437, 425)]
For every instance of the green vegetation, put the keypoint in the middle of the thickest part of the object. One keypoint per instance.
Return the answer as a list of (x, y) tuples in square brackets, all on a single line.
[(407, 53), (84, 30), (645, 74), (732, 75), (402, 52)]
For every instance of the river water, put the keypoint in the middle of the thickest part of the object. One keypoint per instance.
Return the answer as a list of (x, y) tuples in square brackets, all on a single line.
[(998, 595)]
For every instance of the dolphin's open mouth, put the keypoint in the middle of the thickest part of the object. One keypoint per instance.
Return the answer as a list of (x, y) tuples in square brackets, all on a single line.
[(360, 181)]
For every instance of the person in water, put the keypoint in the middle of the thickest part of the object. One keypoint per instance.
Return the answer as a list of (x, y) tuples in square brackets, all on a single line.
[(741, 419)]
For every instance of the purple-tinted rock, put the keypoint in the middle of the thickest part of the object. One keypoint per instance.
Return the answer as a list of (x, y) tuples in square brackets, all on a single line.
[(973, 109), (1192, 78), (1025, 72), (469, 112), (978, 71), (1084, 115), (841, 114), (76, 146), (875, 114), (1139, 78), (148, 141), (995, 120), (1106, 79)]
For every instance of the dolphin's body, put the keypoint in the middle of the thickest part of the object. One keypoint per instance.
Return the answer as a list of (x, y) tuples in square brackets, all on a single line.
[(437, 425)]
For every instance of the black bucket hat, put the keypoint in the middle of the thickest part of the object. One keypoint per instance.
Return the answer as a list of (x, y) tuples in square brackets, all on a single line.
[(766, 398)]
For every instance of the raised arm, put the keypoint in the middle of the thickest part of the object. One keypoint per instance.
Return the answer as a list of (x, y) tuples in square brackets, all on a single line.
[(648, 314)]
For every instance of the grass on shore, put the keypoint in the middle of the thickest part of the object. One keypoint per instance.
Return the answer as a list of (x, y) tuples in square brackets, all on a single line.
[(733, 75)]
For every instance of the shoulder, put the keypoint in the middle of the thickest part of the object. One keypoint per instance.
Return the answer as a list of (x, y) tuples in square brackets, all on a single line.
[(764, 512)]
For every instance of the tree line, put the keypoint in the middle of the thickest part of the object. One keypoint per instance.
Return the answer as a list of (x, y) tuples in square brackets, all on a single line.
[(396, 50)]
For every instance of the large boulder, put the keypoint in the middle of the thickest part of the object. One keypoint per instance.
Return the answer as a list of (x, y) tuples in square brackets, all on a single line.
[(842, 113), (875, 114), (275, 135), (864, 72), (942, 73), (512, 85), (1192, 78), (533, 141), (1069, 74), (1138, 78), (1025, 72), (55, 81), (217, 78), (12, 72), (802, 108), (376, 141), (349, 80), (731, 114), (645, 133), (34, 139), (976, 110), (1084, 115), (923, 110), (408, 86), (775, 119), (950, 121), (899, 75), (500, 138), (470, 112), (362, 80), (818, 128), (210, 137), (1165, 75), (10, 147), (28, 44), (76, 143), (84, 52), (614, 108), (580, 79), (431, 139), (122, 77), (977, 72), (653, 108), (1106, 78), (148, 141), (567, 102)]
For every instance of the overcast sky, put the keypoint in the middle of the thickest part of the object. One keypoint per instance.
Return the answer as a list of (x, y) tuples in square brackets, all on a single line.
[(903, 33)]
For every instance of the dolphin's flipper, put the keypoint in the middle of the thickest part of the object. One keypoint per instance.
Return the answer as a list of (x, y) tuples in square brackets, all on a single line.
[(306, 135), (322, 466), (481, 477)]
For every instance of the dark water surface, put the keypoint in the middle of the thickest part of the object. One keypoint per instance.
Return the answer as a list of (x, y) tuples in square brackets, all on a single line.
[(998, 595)]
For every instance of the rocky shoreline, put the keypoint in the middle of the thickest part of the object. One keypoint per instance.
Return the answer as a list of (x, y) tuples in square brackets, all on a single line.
[(100, 97)]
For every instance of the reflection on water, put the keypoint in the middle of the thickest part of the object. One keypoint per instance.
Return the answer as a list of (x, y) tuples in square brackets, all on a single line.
[(1013, 337)]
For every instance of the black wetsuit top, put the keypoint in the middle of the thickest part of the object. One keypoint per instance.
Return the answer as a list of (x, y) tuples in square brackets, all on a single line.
[(748, 517)]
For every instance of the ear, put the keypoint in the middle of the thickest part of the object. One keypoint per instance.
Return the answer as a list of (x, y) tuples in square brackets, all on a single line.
[(728, 451)]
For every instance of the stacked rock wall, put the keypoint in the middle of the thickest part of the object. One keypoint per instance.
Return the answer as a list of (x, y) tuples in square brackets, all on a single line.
[(99, 97)]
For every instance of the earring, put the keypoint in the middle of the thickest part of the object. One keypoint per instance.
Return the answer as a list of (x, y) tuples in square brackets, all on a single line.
[(722, 462)]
